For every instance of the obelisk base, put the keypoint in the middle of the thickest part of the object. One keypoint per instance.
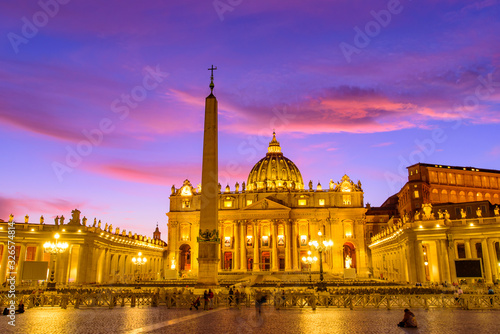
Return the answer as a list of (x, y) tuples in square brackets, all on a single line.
[(208, 265)]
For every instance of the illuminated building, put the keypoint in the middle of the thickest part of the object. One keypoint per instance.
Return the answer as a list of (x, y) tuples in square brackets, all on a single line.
[(94, 254), (266, 223), (441, 214)]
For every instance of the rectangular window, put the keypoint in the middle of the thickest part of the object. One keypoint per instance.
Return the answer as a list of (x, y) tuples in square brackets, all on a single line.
[(416, 194), (265, 241), (249, 202), (321, 201), (302, 202), (347, 199), (461, 251), (228, 204), (303, 240)]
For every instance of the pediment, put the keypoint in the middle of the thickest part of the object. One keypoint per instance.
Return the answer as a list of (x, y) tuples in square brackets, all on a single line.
[(267, 204)]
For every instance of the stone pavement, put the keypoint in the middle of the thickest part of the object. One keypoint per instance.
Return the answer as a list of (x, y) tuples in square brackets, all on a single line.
[(245, 321)]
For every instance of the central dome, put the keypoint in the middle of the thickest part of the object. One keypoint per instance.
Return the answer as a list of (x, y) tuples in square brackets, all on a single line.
[(274, 171)]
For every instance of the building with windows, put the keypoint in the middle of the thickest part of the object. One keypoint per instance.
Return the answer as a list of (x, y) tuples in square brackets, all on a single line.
[(267, 222), (442, 215)]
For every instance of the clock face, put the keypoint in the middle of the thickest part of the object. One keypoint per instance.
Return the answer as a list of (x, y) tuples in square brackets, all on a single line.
[(346, 187), (186, 191)]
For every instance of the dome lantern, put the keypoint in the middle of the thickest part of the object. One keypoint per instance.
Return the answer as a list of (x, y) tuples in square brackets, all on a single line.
[(274, 172)]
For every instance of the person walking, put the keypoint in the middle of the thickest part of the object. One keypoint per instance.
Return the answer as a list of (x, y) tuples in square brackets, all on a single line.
[(237, 296), (231, 294), (205, 300), (491, 292), (210, 299)]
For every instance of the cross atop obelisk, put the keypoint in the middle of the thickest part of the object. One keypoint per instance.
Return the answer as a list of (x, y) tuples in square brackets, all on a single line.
[(212, 78)]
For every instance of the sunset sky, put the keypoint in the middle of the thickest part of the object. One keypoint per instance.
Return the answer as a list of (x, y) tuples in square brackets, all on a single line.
[(101, 102)]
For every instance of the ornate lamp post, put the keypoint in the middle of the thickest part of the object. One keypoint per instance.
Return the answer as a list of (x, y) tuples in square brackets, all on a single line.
[(309, 260), (321, 246), (138, 261), (54, 248)]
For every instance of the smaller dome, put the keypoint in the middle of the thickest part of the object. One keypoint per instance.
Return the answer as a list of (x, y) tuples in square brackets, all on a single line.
[(274, 171)]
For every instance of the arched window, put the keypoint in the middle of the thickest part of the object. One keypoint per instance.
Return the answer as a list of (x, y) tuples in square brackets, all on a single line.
[(444, 196), (185, 257), (348, 229), (349, 256), (479, 197), (435, 195), (453, 196), (461, 196), (185, 232)]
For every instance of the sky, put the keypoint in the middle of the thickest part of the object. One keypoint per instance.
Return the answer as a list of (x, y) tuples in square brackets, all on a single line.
[(102, 102)]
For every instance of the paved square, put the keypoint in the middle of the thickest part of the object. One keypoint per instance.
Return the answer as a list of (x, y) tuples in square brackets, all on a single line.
[(162, 320)]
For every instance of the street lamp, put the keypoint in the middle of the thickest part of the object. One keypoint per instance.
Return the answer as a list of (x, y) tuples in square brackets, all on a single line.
[(321, 246), (138, 261), (309, 260), (54, 248)]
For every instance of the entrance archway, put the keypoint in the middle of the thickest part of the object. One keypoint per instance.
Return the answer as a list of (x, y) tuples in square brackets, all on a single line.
[(185, 257), (266, 263), (349, 255), (228, 260)]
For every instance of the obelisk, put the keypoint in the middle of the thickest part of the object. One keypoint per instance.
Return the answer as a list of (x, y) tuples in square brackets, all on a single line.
[(208, 240)]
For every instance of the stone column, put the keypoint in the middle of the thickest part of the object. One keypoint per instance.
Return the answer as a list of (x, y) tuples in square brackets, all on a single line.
[(493, 260), (412, 267), (486, 260), (274, 240), (256, 242), (39, 253), (288, 262), (20, 265), (220, 248), (452, 256), (62, 267), (468, 253), (295, 255), (420, 262), (3, 268), (81, 271), (243, 249), (445, 261), (237, 245)]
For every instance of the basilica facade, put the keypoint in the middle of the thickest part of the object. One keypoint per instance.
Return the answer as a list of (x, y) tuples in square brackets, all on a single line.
[(267, 222)]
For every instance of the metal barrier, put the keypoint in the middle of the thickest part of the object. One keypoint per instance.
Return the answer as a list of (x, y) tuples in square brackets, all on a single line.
[(278, 300)]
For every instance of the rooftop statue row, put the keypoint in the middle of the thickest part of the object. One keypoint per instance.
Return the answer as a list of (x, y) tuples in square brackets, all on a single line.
[(96, 227), (426, 213), (345, 185)]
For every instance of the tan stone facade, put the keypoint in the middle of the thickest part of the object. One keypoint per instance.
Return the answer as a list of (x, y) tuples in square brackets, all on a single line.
[(442, 184), (442, 214), (267, 226), (94, 255)]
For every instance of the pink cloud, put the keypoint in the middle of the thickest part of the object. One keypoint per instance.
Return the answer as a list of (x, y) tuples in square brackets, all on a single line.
[(20, 206)]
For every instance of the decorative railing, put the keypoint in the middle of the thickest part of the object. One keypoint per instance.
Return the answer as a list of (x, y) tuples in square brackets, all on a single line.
[(278, 300)]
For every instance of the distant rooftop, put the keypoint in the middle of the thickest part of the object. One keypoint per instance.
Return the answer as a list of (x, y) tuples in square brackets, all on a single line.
[(473, 169)]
